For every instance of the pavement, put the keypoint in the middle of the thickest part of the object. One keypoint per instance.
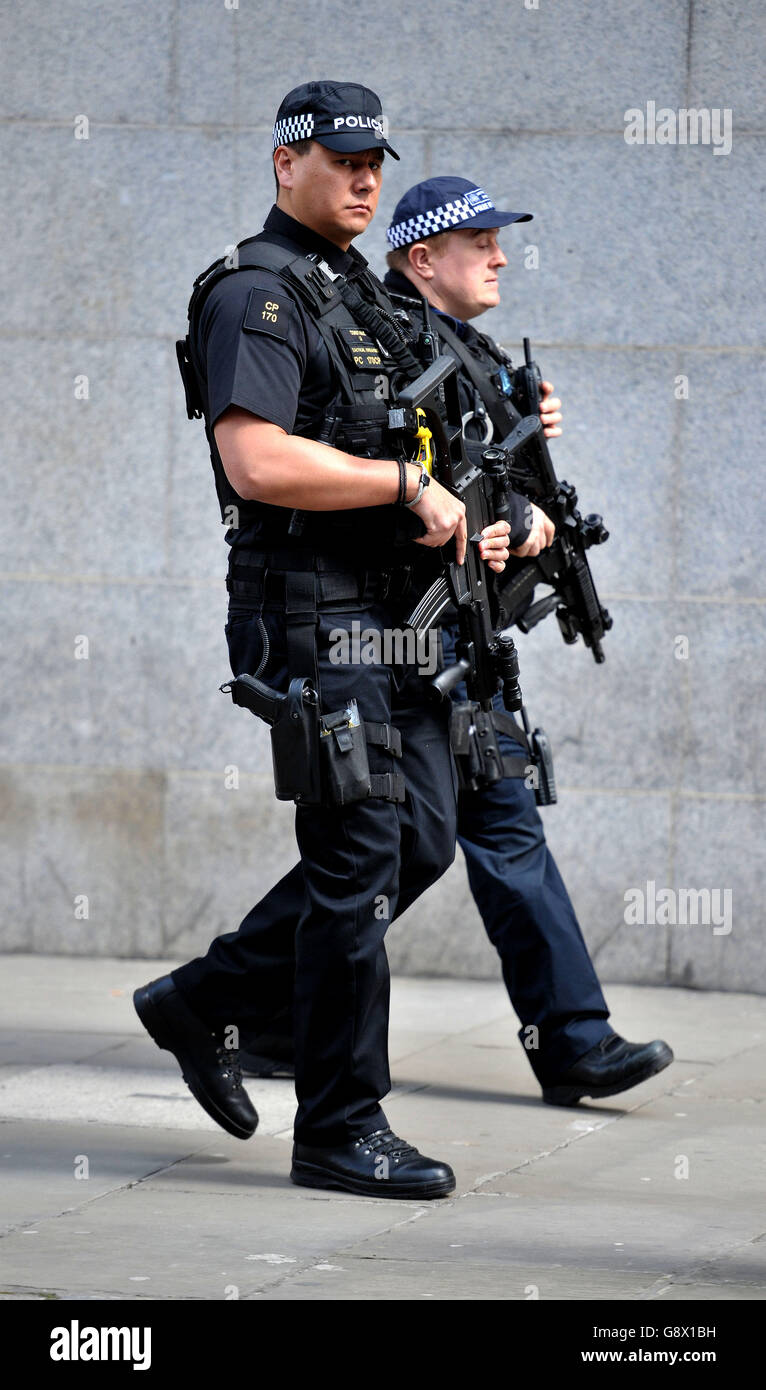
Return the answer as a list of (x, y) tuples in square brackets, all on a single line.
[(118, 1186)]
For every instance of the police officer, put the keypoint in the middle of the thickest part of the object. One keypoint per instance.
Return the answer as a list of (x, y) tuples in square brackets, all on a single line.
[(444, 249), (286, 360)]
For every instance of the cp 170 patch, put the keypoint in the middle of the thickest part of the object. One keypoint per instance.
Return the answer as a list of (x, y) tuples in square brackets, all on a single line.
[(268, 311)]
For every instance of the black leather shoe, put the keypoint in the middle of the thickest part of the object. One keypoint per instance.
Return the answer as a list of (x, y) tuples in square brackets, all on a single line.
[(613, 1065), (378, 1165), (210, 1070)]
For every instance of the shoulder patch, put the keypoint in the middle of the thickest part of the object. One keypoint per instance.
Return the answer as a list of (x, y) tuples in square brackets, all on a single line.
[(268, 311)]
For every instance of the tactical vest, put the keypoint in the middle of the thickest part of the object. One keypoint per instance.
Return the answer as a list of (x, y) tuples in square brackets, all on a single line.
[(490, 375), (366, 348)]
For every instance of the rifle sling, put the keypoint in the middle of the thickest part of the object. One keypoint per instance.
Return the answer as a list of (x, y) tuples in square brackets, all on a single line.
[(481, 380), (506, 724)]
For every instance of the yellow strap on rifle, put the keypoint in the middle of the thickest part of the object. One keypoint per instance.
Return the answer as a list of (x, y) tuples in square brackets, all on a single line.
[(425, 454)]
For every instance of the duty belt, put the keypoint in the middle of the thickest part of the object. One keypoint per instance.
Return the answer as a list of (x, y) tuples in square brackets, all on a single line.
[(263, 576)]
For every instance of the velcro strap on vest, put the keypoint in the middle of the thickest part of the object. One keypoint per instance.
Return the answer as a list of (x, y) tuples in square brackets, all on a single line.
[(384, 736)]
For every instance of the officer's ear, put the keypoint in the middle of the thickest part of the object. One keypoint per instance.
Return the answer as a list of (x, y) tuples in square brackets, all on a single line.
[(284, 161), (420, 260), (283, 165)]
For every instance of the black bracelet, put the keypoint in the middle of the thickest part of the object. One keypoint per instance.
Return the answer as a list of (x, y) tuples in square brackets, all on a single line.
[(403, 480)]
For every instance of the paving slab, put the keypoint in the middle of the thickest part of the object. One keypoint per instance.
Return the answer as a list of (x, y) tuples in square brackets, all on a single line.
[(575, 1229), (172, 1245), (21, 1050), (151, 1097), (51, 1169), (358, 1279), (711, 1293), (567, 1203)]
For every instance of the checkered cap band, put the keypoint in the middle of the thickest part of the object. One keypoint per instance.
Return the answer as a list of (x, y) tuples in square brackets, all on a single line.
[(293, 128), (427, 224)]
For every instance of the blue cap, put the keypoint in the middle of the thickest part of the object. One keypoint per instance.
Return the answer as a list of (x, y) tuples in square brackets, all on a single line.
[(439, 205)]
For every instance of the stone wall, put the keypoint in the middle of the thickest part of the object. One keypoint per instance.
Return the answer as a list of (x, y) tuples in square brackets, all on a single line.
[(650, 269)]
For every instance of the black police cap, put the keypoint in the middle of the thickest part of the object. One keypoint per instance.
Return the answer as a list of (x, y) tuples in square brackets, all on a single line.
[(344, 116)]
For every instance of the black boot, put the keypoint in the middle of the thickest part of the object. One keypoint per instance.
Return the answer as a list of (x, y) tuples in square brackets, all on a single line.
[(210, 1070), (613, 1065), (377, 1165)]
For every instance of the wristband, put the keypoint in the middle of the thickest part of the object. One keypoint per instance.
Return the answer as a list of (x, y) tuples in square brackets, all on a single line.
[(402, 495), (423, 482)]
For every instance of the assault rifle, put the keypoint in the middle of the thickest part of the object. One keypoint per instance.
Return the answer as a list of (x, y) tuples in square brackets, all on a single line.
[(487, 658), (563, 565)]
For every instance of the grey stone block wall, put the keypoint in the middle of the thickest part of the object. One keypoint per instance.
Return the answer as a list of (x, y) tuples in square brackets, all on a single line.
[(116, 768)]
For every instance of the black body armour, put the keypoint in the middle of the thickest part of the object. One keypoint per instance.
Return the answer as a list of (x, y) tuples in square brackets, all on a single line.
[(354, 320), (489, 413)]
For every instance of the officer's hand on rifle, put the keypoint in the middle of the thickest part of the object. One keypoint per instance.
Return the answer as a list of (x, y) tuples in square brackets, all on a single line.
[(550, 414), (443, 516), (540, 536), (494, 545)]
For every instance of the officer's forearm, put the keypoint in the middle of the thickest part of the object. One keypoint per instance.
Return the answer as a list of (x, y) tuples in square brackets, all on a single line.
[(264, 464)]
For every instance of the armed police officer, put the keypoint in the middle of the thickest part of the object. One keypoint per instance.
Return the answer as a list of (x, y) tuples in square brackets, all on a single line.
[(285, 359), (444, 251)]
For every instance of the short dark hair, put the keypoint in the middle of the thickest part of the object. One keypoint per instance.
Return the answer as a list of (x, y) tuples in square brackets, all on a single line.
[(300, 147), (398, 258)]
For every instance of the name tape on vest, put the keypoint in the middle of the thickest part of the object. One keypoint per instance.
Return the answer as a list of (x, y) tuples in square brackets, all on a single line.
[(364, 352)]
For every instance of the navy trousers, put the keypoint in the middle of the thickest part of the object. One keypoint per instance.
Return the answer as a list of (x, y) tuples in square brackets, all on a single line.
[(530, 920), (528, 916)]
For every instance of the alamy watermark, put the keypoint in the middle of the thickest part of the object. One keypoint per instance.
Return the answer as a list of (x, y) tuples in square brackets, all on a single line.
[(76, 1343), (683, 907), (390, 646), (704, 125)]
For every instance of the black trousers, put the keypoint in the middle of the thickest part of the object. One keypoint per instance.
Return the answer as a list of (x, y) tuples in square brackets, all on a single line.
[(526, 910), (359, 865)]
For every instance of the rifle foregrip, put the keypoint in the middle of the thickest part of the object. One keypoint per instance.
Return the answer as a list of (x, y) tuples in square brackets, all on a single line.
[(451, 676)]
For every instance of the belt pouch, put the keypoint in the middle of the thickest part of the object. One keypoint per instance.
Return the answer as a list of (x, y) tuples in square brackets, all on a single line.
[(343, 754)]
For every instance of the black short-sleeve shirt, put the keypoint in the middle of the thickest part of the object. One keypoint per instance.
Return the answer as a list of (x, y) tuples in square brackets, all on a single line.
[(261, 351)]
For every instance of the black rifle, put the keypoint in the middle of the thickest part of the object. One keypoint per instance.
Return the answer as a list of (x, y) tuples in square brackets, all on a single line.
[(487, 657), (563, 565)]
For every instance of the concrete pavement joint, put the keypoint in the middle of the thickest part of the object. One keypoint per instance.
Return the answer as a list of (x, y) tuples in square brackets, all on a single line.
[(696, 1275), (99, 1196), (305, 1267), (573, 1139)]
